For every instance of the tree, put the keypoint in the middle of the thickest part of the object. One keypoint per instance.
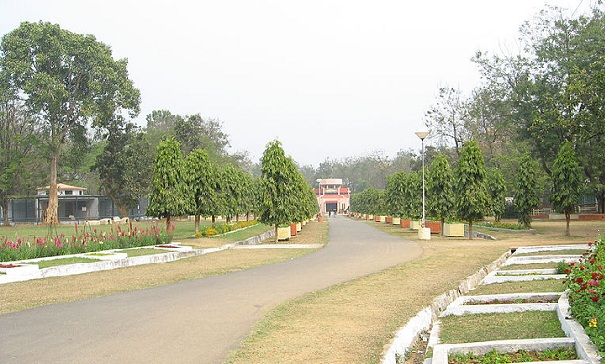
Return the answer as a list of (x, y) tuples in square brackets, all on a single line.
[(124, 166), (170, 195), (68, 81), (526, 198), (395, 193), (497, 192), (279, 188), (202, 183), (446, 119), (440, 193), (470, 185), (195, 132), (160, 125), (17, 143), (413, 197), (566, 183)]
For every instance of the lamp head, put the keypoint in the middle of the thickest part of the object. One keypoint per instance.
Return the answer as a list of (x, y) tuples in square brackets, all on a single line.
[(422, 134)]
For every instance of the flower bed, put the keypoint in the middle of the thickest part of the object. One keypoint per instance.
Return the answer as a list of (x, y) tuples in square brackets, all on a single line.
[(81, 242), (220, 228), (586, 289)]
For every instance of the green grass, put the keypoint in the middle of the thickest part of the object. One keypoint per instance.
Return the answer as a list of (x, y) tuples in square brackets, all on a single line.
[(500, 326), (137, 252), (64, 261), (530, 266), (554, 252), (548, 285)]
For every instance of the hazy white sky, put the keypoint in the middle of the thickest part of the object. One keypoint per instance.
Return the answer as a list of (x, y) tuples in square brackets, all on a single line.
[(327, 78)]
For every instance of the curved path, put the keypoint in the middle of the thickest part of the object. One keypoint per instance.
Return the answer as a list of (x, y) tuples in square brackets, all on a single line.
[(196, 321)]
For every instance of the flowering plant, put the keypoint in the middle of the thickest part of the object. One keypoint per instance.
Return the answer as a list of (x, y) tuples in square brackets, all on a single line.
[(586, 289), (219, 228), (81, 242)]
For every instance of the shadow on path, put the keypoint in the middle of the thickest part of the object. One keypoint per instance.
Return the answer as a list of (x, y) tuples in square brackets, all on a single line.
[(196, 321)]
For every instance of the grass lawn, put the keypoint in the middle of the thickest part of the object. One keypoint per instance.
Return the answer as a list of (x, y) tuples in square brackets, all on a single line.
[(548, 285), (64, 261), (500, 326)]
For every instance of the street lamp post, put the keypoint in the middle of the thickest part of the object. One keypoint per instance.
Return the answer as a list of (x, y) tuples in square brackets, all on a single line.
[(422, 135)]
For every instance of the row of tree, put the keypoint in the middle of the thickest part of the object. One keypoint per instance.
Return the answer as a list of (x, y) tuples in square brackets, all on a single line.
[(470, 191), (194, 185), (534, 100)]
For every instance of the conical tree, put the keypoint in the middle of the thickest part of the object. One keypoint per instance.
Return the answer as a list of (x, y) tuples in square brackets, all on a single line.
[(526, 198), (567, 180), (395, 194), (279, 188), (496, 188), (201, 180), (440, 193), (470, 185), (169, 193)]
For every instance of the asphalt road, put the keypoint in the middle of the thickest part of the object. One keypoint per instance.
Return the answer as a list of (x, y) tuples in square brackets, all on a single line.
[(197, 321)]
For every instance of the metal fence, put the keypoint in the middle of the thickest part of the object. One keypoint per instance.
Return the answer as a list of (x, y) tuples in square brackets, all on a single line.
[(71, 208)]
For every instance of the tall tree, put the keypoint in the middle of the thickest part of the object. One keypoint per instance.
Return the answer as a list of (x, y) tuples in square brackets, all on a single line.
[(440, 192), (195, 132), (471, 186), (447, 118), (170, 194), (17, 143), (68, 81), (125, 166), (496, 189), (395, 194), (279, 188), (526, 198), (567, 181), (201, 181), (160, 125)]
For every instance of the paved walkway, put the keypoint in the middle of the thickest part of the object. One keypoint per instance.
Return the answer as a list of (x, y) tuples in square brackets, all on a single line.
[(196, 321)]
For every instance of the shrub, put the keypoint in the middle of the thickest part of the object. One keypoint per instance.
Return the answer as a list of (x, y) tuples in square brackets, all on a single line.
[(220, 228), (586, 289)]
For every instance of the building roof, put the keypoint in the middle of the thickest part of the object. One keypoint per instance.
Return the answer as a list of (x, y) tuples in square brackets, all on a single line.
[(63, 186), (331, 181)]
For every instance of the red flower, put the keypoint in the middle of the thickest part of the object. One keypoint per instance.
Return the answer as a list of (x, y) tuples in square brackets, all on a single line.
[(595, 298)]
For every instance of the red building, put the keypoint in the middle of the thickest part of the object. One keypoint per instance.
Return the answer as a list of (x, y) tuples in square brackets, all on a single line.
[(332, 197)]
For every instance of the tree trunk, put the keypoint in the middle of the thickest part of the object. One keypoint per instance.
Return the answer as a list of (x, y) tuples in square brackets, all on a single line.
[(5, 210), (197, 224), (470, 230), (276, 227), (52, 211), (600, 204), (567, 218), (442, 225), (121, 207), (168, 223), (213, 219)]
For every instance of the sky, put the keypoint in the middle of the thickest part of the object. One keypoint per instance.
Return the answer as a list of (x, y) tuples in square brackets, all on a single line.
[(328, 79)]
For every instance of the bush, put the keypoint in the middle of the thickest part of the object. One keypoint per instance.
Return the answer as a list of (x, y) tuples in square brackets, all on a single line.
[(586, 289)]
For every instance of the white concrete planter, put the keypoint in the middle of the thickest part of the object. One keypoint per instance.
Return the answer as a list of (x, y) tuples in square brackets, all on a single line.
[(415, 225), (18, 269), (382, 218), (424, 233), (453, 229), (283, 233), (298, 226), (396, 221)]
